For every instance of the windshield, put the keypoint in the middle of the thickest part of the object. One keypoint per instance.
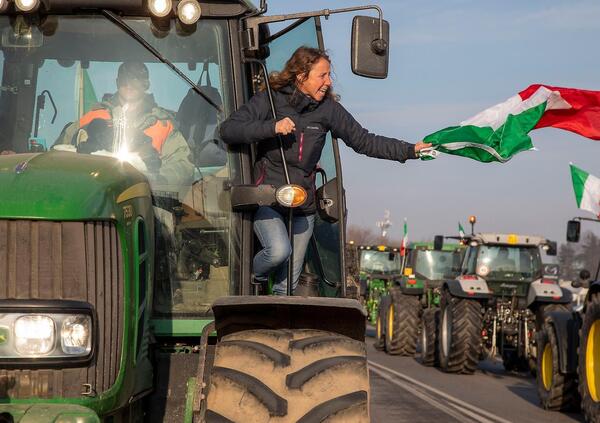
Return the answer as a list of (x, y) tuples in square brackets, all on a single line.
[(82, 84), (380, 262), (435, 265), (509, 263)]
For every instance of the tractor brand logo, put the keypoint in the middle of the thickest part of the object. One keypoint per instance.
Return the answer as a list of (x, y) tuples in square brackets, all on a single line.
[(3, 334), (21, 167), (509, 286), (127, 212)]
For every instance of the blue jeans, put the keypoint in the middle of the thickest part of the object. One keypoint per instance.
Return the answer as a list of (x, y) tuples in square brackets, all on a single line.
[(271, 229)]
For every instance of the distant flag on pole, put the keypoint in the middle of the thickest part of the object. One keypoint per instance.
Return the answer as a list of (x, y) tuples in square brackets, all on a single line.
[(500, 132), (461, 231), (587, 190), (404, 245)]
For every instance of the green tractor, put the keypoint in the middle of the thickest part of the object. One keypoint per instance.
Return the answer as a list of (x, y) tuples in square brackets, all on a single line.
[(411, 304), (497, 303), (126, 295), (568, 362), (379, 266)]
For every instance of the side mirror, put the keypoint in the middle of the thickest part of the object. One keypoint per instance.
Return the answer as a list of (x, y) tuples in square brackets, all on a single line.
[(438, 242), (370, 51), (551, 248), (391, 256), (573, 230)]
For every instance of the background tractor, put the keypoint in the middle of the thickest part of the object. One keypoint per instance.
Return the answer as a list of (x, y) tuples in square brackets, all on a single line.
[(411, 304), (497, 302), (568, 359), (125, 295)]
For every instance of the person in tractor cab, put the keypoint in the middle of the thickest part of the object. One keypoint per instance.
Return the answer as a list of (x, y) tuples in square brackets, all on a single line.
[(503, 261), (307, 110), (131, 121)]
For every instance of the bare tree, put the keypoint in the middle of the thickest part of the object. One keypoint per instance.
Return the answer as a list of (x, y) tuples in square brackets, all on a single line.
[(360, 235), (566, 261)]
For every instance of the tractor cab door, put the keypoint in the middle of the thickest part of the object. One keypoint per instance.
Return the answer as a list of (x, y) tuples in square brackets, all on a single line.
[(325, 256)]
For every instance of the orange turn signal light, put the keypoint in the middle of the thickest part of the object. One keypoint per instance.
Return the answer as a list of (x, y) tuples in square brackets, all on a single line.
[(291, 195)]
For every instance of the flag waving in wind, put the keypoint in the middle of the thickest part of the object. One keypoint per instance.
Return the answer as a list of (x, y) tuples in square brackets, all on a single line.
[(404, 245), (500, 132), (587, 190), (461, 231)]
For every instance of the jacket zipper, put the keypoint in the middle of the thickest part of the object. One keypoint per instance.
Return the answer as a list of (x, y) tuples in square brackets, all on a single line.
[(301, 146)]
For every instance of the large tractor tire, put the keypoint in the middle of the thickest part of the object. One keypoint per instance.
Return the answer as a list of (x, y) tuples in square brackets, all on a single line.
[(460, 334), (557, 391), (543, 310), (288, 376), (429, 337), (589, 361), (380, 324), (402, 323)]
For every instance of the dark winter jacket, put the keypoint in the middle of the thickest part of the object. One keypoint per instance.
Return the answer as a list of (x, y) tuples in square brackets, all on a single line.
[(253, 122)]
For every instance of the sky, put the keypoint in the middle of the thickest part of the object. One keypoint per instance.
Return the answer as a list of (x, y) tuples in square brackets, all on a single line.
[(450, 60)]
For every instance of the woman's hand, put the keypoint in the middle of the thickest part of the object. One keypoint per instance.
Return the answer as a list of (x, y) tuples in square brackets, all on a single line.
[(285, 126), (421, 145)]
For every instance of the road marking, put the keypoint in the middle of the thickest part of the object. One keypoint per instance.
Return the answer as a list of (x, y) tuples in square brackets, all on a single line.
[(418, 393), (463, 407)]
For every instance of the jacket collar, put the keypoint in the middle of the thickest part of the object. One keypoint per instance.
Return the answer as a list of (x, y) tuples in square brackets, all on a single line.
[(298, 100)]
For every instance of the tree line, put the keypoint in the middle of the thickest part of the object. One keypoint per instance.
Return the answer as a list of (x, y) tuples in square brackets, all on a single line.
[(574, 257)]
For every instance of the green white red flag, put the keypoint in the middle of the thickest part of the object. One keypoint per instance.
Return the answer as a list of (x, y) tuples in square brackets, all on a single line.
[(404, 244), (500, 132), (461, 231), (587, 190)]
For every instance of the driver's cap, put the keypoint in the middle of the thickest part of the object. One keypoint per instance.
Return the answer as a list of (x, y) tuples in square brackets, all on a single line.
[(134, 74)]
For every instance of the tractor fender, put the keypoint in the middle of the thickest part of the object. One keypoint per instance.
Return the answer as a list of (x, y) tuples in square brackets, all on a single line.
[(344, 316), (408, 289), (547, 293), (468, 288), (566, 327)]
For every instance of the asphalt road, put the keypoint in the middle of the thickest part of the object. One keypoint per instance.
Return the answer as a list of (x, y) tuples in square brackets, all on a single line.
[(404, 390)]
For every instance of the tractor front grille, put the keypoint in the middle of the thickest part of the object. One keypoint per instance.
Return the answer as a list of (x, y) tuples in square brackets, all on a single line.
[(65, 261)]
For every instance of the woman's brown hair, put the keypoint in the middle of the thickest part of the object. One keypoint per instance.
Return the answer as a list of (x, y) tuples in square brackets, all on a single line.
[(301, 62)]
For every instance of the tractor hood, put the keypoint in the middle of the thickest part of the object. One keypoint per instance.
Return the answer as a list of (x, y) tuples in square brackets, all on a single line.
[(59, 185)]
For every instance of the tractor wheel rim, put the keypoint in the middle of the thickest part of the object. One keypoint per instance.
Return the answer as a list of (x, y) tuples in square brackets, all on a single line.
[(391, 321), (592, 361), (445, 333), (378, 326), (547, 367)]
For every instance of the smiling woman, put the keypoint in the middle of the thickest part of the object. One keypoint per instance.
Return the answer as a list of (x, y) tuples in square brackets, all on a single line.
[(306, 110)]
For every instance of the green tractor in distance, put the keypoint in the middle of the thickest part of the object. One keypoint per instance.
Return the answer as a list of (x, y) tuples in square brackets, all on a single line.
[(568, 361), (126, 292), (379, 266), (412, 301)]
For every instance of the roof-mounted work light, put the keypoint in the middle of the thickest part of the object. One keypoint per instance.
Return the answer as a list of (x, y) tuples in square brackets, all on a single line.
[(189, 11), (160, 8), (27, 5)]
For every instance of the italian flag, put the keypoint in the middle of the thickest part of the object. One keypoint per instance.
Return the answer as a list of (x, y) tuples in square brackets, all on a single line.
[(500, 132), (404, 244), (587, 190)]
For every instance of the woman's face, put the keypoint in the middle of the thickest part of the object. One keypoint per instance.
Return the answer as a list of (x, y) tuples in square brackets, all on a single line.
[(318, 82)]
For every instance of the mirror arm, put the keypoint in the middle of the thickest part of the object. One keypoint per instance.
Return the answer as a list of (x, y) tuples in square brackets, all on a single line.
[(251, 24)]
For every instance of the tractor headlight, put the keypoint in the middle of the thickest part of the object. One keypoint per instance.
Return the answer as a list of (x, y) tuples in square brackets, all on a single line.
[(75, 335), (291, 195), (44, 332), (34, 335)]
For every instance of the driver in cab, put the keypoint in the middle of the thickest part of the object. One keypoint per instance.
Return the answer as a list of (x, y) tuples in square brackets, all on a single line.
[(130, 122)]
